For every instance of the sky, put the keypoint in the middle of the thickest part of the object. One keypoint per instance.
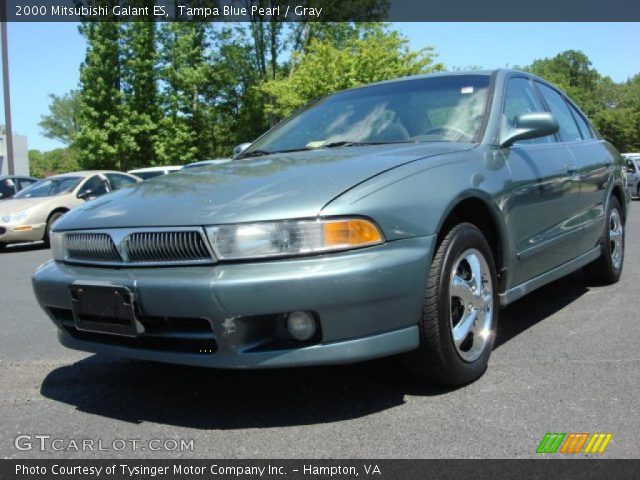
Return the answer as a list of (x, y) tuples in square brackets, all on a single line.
[(44, 58)]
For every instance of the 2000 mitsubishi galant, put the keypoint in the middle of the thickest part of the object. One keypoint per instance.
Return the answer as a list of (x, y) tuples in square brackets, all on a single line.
[(392, 218)]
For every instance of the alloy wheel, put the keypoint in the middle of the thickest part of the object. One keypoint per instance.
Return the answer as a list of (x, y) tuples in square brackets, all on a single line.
[(616, 234), (471, 298)]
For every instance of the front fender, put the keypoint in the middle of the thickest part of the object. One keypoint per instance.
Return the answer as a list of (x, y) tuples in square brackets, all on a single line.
[(415, 200)]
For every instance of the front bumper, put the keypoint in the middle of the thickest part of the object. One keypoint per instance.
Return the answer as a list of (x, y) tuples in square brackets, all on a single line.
[(9, 235), (367, 303)]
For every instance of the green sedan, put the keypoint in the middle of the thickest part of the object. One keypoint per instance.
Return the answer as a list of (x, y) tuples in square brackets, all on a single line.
[(393, 218)]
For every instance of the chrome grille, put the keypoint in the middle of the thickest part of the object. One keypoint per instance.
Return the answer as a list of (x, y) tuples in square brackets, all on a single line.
[(184, 246), (91, 247), (144, 246)]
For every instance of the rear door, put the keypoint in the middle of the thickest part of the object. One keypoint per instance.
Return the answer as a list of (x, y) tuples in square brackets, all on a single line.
[(544, 195)]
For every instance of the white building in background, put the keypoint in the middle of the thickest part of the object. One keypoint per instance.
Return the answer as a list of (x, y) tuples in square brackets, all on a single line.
[(20, 155)]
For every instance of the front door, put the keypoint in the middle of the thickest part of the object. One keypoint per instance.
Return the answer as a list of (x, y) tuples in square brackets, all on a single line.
[(545, 192)]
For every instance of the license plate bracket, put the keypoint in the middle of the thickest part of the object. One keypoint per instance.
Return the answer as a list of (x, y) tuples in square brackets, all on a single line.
[(103, 308)]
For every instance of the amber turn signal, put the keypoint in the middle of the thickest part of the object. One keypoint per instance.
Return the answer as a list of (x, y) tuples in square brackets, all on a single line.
[(350, 233)]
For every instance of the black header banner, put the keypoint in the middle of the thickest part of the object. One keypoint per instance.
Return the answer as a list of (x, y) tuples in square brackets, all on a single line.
[(322, 10), (129, 469)]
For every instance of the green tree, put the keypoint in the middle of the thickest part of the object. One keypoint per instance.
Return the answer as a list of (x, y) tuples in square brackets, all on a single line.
[(104, 137), (571, 70), (237, 107), (183, 73), (378, 54), (60, 160), (614, 108), (61, 123), (629, 95), (621, 127), (140, 88)]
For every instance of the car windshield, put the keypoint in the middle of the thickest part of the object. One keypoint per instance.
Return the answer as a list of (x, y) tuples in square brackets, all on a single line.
[(50, 187), (437, 109)]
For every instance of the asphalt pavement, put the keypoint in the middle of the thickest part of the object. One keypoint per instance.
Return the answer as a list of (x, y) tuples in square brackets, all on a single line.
[(566, 360)]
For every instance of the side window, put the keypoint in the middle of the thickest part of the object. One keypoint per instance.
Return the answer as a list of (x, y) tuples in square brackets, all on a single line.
[(26, 182), (585, 129), (97, 185), (7, 188), (119, 181), (520, 98), (568, 128)]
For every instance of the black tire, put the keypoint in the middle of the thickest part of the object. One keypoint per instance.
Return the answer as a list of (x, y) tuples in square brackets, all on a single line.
[(638, 190), (438, 360), (606, 270), (52, 218), (2, 246)]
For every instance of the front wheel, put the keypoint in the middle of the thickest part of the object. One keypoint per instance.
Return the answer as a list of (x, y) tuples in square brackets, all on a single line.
[(460, 310), (608, 268), (54, 216)]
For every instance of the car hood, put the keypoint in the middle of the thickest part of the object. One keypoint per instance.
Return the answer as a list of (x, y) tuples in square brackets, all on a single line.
[(279, 186), (15, 205)]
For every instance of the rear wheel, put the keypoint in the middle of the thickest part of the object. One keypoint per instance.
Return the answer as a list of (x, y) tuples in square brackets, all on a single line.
[(52, 218), (460, 310), (3, 246), (608, 268)]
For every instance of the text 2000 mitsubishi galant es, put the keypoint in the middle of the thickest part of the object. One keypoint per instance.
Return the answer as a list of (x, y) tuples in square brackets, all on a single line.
[(392, 218)]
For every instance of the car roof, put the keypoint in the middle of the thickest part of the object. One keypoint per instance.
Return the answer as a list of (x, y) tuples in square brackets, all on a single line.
[(156, 169), (501, 72), (427, 75), (86, 173)]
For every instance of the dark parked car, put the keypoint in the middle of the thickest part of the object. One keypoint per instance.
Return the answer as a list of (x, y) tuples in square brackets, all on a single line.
[(12, 184), (392, 218)]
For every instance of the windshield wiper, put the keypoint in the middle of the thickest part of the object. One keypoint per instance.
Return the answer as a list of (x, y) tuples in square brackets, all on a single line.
[(254, 153), (347, 143), (342, 143)]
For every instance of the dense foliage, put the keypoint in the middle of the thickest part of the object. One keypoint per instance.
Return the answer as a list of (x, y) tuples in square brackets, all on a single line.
[(613, 107), (171, 93), (43, 164)]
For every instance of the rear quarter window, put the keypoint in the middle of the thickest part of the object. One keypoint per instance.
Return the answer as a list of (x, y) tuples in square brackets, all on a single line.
[(583, 125)]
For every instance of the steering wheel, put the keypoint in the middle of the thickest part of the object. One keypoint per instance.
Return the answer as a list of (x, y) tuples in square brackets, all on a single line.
[(443, 130)]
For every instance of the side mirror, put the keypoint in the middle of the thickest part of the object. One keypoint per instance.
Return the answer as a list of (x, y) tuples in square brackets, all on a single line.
[(238, 149), (529, 125), (84, 194)]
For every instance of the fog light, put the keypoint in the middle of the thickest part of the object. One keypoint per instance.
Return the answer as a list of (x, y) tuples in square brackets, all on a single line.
[(301, 325)]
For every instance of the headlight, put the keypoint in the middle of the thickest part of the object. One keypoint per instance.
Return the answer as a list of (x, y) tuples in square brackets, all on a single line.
[(15, 217), (58, 249), (291, 237)]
